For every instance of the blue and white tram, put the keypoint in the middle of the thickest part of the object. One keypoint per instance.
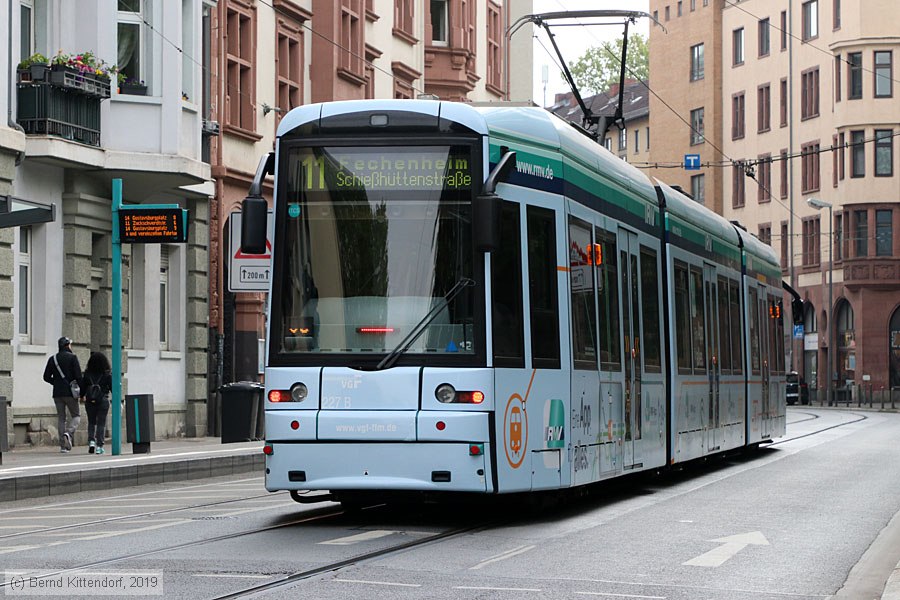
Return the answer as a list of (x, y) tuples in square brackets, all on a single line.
[(483, 300)]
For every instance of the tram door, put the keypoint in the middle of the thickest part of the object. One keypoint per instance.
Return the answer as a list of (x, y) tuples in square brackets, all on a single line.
[(764, 362), (713, 368), (629, 252)]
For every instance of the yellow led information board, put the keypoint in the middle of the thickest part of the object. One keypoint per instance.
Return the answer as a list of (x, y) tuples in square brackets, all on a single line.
[(152, 225)]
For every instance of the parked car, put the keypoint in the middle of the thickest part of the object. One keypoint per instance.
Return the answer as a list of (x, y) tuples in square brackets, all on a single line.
[(797, 389)]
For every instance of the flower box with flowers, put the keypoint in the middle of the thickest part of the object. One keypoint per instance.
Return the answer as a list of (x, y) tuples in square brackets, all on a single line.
[(133, 87), (81, 72), (33, 69)]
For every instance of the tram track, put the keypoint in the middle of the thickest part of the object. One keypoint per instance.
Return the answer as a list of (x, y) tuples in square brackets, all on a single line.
[(859, 418)]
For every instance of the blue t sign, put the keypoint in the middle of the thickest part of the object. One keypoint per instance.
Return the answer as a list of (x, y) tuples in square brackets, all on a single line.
[(691, 162)]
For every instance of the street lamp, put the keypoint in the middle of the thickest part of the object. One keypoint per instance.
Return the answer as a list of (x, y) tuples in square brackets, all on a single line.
[(819, 205)]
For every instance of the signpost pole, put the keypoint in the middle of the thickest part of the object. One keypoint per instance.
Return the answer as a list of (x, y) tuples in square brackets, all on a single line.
[(116, 320)]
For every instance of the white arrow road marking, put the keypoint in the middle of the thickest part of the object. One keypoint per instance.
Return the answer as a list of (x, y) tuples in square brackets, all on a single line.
[(730, 546)]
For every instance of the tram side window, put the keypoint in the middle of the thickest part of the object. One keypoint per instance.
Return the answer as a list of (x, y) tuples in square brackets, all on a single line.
[(735, 323), (650, 286), (725, 363), (542, 287), (608, 294), (698, 321), (682, 318), (582, 256), (777, 336), (753, 309), (506, 288)]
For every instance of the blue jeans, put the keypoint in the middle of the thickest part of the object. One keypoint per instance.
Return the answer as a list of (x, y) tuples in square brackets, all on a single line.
[(96, 428)]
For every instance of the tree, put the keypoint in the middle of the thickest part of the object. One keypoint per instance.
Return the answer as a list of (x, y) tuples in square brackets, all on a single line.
[(598, 68)]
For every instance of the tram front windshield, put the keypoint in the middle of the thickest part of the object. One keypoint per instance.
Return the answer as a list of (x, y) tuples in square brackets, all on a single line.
[(374, 244)]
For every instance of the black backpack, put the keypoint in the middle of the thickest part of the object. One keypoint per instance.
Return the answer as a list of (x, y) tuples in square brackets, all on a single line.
[(94, 392)]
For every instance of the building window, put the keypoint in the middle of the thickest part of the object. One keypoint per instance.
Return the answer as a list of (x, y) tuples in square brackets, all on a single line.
[(404, 80), (737, 185), (884, 152), (698, 188), (837, 77), (884, 233), (764, 179), (494, 53), (784, 174), (835, 155), (623, 139), (765, 234), (131, 40), (841, 147), (737, 116), (784, 30), (883, 74), (854, 75), (637, 140), (668, 13), (439, 22), (763, 35), (784, 245), (697, 62), (810, 20), (763, 108), (26, 29), (163, 297), (240, 79), (811, 241), (809, 96), (836, 15), (697, 126), (838, 237), (352, 35), (404, 18), (861, 234), (858, 153), (783, 103), (693, 5), (737, 41), (647, 138), (810, 167), (25, 284), (289, 59)]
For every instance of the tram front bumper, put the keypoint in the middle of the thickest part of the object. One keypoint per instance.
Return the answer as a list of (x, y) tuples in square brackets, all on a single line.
[(410, 466)]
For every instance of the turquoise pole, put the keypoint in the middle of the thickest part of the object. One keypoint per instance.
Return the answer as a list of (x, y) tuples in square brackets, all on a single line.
[(116, 320)]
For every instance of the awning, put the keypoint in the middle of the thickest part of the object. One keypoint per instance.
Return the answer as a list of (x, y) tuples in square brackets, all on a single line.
[(15, 212)]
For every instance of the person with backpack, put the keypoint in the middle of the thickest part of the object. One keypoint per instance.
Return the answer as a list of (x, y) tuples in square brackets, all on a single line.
[(63, 372), (95, 387)]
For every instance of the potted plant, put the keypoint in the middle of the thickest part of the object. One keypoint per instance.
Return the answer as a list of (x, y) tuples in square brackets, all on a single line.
[(35, 66), (129, 85)]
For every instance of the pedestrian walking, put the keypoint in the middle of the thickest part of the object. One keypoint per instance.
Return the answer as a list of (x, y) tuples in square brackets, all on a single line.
[(63, 372), (95, 387)]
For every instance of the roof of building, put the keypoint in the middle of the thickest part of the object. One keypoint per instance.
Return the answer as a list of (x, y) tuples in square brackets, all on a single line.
[(635, 99)]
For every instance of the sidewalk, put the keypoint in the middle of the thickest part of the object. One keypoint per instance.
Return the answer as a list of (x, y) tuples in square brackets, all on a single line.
[(44, 471)]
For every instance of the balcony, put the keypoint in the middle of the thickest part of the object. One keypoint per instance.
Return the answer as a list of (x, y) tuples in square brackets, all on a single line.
[(63, 103)]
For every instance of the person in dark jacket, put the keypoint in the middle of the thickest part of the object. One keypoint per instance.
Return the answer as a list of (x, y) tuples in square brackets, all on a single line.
[(95, 387), (62, 369)]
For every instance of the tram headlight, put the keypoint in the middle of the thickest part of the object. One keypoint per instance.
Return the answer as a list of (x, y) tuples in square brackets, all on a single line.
[(299, 392), (445, 393)]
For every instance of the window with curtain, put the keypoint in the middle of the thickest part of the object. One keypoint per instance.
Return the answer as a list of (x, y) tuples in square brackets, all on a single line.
[(131, 16), (25, 287)]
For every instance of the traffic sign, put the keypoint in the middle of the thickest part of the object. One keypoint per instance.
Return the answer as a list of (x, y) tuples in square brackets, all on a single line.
[(249, 272), (152, 225), (692, 162)]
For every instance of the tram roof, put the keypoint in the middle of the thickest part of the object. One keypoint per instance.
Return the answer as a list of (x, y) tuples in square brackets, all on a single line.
[(694, 215)]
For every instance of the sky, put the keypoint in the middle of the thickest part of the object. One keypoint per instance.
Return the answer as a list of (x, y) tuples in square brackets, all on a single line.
[(573, 41)]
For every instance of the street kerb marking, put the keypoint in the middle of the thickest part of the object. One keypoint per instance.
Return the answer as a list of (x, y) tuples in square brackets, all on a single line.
[(503, 556)]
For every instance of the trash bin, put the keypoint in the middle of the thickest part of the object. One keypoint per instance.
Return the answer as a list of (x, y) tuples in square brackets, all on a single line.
[(241, 407), (139, 422)]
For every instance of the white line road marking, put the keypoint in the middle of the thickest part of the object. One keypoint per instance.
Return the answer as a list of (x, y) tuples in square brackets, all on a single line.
[(497, 589), (386, 583), (11, 549), (621, 595), (503, 556), (232, 575), (51, 517), (730, 546), (107, 534), (360, 537)]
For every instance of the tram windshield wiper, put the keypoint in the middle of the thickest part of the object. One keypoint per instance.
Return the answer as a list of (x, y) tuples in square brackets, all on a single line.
[(389, 360)]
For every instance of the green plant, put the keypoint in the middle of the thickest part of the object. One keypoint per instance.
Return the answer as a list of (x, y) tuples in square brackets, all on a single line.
[(35, 59), (60, 59)]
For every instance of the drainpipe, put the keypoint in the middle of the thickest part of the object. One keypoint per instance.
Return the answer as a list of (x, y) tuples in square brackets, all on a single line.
[(10, 122)]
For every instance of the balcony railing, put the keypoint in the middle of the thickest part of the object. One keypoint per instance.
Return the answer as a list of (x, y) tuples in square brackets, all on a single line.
[(65, 103)]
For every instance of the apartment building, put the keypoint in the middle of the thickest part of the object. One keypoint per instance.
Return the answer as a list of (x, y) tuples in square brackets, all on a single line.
[(269, 57), (68, 134), (810, 111)]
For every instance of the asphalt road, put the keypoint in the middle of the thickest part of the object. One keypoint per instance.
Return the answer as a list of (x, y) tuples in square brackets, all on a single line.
[(808, 517)]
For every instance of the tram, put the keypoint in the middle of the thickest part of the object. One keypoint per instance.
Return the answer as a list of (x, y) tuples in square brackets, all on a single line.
[(483, 300)]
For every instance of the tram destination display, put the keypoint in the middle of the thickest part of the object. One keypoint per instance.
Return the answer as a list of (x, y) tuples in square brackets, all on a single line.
[(152, 225)]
